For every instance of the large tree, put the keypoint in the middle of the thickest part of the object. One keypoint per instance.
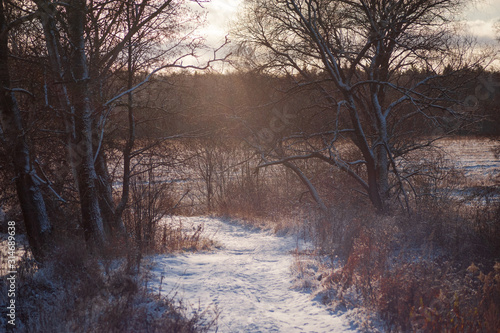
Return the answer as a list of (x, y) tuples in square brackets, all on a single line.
[(383, 70), (90, 58), (14, 138)]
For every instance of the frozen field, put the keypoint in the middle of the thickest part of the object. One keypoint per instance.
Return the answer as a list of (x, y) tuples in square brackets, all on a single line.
[(248, 279), (475, 157)]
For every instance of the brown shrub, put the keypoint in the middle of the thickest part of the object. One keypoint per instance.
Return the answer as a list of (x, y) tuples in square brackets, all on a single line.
[(79, 292)]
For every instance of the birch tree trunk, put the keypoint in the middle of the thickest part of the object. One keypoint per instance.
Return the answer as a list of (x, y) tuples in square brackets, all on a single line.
[(73, 93), (30, 196), (47, 13), (87, 177)]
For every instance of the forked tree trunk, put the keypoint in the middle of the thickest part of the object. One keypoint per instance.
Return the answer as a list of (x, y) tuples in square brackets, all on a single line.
[(87, 177), (372, 174), (112, 220), (29, 193)]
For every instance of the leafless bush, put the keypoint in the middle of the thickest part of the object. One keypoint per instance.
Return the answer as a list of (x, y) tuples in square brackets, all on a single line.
[(152, 201), (413, 289), (482, 209), (414, 270), (78, 292), (247, 194), (213, 163), (174, 236), (229, 183)]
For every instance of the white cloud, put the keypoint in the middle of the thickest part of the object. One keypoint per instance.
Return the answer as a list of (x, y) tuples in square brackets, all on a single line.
[(484, 30), (220, 14), (481, 18)]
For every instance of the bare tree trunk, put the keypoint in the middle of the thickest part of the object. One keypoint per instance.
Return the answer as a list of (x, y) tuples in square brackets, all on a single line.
[(312, 190), (29, 193), (127, 152), (383, 173), (47, 13), (87, 177), (106, 202), (75, 102), (361, 142)]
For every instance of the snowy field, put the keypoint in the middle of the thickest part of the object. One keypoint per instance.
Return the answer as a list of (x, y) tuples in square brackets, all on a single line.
[(248, 279), (475, 157)]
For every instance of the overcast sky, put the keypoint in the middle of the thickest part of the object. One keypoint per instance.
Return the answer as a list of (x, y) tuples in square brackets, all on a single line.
[(480, 18)]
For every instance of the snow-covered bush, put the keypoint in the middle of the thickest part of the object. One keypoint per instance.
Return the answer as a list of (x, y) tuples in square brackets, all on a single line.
[(78, 292)]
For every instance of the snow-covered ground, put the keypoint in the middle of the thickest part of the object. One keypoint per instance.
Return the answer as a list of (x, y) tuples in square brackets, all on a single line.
[(248, 279), (475, 157)]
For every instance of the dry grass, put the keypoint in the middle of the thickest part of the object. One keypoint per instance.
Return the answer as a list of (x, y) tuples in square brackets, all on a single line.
[(174, 236), (78, 292), (437, 270), (437, 276), (415, 271)]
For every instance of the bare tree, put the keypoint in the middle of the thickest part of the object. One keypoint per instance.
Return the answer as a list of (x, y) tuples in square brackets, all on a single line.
[(377, 67), (153, 26), (88, 45), (13, 136)]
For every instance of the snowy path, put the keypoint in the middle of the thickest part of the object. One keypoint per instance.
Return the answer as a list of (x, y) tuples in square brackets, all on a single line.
[(248, 279)]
